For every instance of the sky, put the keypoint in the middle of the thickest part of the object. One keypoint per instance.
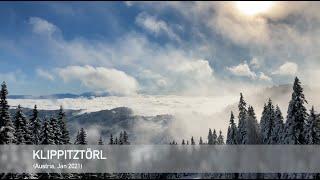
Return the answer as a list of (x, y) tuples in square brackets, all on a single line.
[(157, 48)]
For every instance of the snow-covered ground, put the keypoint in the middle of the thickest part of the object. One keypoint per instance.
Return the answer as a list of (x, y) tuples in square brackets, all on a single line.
[(141, 105)]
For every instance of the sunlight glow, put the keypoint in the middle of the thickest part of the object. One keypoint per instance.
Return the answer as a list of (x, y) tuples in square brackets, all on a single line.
[(253, 7)]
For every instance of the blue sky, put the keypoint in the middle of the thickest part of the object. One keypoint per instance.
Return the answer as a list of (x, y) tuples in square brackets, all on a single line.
[(126, 48)]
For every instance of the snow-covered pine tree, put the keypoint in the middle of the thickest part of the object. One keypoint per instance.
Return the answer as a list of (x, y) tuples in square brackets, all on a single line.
[(116, 141), (242, 120), (200, 141), (232, 139), (82, 138), (28, 137), (232, 131), (214, 136), (317, 130), (296, 116), (263, 122), (111, 139), (77, 138), (56, 131), (294, 127), (267, 122), (192, 141), (311, 128), (47, 136), (278, 127), (252, 136), (220, 140), (35, 125), (19, 122), (6, 126), (100, 142), (65, 138), (210, 137), (23, 131), (125, 138), (121, 138), (252, 128)]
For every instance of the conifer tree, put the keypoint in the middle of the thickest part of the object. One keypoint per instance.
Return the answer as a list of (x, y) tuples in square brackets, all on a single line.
[(192, 141), (252, 128), (6, 126), (21, 126), (65, 138), (232, 131), (121, 138), (316, 140), (210, 137), (125, 138), (35, 125), (82, 137), (214, 136), (278, 127), (56, 131), (77, 137), (220, 140), (111, 140), (312, 128), (47, 136), (296, 116), (242, 120), (200, 141), (100, 142), (183, 142), (267, 123), (252, 136)]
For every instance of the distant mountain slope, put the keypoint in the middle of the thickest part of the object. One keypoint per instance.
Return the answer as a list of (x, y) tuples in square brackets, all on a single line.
[(141, 129), (45, 113)]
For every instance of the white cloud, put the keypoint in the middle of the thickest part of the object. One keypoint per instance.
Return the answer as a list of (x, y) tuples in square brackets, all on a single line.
[(287, 69), (13, 77), (100, 78), (273, 36), (264, 77), (41, 26), (199, 70), (242, 70), (170, 70), (255, 63), (156, 26), (45, 74)]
